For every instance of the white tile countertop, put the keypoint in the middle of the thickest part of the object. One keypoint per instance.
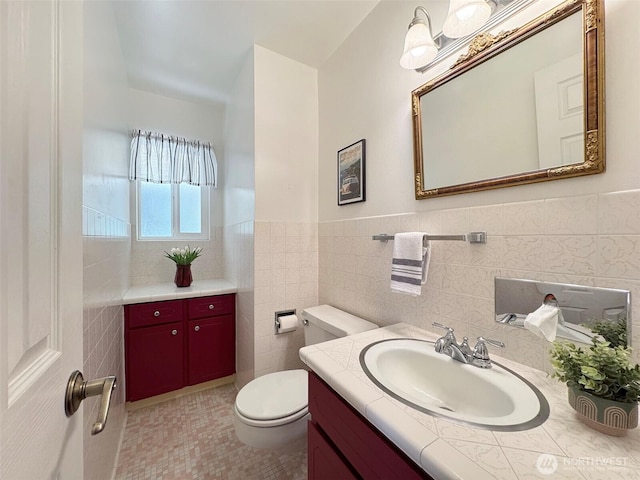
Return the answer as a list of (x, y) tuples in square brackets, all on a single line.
[(448, 450), (169, 291)]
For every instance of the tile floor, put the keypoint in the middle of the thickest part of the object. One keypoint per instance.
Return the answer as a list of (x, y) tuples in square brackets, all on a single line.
[(193, 438)]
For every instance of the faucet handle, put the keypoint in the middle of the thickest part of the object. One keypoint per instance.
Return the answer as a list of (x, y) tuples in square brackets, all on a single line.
[(481, 352), (495, 343), (449, 329), (449, 335)]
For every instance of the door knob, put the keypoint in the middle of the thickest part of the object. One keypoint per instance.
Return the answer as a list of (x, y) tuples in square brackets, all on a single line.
[(78, 390)]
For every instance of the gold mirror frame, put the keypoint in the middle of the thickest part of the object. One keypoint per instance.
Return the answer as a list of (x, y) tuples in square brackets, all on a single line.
[(486, 46)]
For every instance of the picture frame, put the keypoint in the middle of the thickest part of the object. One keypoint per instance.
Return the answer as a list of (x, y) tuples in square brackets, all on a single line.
[(351, 173)]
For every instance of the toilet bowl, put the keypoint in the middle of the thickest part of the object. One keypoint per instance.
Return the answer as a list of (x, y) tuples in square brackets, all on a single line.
[(272, 411)]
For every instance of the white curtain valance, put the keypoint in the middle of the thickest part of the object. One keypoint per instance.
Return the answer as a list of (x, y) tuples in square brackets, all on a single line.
[(160, 158)]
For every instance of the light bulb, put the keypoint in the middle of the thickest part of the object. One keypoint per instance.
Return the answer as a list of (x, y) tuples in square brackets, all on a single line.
[(465, 17), (418, 51), (465, 13)]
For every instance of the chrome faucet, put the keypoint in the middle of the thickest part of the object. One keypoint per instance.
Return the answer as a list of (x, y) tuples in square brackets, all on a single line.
[(478, 357)]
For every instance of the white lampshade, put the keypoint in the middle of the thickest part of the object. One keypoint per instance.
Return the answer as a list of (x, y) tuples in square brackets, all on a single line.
[(419, 47), (465, 17)]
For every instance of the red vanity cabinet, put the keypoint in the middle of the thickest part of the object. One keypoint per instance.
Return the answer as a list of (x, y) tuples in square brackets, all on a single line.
[(175, 343), (154, 360), (338, 434), (211, 338)]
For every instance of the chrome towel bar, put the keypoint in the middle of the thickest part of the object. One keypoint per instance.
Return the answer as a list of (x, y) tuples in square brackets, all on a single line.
[(473, 237)]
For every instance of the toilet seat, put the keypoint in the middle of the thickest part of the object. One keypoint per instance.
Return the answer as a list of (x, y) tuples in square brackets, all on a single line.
[(274, 399), (272, 423)]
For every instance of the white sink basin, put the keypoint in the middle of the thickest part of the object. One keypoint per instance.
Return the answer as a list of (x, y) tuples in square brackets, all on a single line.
[(411, 371)]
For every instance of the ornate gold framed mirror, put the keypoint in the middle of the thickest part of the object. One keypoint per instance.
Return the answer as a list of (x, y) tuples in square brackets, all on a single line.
[(521, 107)]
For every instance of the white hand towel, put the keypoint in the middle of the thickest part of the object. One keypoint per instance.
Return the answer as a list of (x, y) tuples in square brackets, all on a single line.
[(410, 263), (544, 321)]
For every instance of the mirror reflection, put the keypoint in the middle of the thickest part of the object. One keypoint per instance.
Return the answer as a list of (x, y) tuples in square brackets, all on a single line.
[(514, 112), (586, 312)]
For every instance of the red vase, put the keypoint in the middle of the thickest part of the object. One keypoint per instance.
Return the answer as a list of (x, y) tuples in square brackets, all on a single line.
[(183, 275)]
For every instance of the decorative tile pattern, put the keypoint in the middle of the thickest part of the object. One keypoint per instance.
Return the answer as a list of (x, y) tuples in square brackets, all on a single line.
[(287, 272), (583, 240), (105, 266), (562, 445), (192, 437), (149, 265)]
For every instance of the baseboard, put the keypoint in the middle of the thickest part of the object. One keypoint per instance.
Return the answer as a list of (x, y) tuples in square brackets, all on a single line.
[(146, 402)]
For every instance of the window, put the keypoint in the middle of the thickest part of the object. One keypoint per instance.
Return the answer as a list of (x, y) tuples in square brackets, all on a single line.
[(172, 211), (173, 176)]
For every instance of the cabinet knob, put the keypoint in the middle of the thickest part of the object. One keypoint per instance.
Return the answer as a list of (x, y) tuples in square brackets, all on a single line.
[(156, 313), (211, 307), (174, 332), (197, 328)]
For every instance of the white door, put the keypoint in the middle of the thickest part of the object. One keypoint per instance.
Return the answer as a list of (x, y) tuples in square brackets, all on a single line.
[(559, 113), (40, 237)]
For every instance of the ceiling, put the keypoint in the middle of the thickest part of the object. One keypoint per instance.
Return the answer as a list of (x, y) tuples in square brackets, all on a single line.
[(195, 49)]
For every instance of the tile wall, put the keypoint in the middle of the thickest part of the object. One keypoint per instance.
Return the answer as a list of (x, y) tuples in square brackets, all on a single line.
[(106, 245), (586, 240), (239, 269), (286, 278), (150, 266)]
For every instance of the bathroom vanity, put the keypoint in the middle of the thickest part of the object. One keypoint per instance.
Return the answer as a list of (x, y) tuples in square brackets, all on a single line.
[(342, 444), (356, 427), (171, 343)]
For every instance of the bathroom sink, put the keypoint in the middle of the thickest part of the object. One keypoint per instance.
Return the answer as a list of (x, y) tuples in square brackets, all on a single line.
[(412, 372)]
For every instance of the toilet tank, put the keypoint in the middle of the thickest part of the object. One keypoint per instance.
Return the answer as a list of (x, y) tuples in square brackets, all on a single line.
[(327, 323)]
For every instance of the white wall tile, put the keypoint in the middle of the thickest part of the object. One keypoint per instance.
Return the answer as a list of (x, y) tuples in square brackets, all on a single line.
[(619, 256), (524, 253), (571, 215), (555, 240), (523, 218), (575, 254), (618, 213)]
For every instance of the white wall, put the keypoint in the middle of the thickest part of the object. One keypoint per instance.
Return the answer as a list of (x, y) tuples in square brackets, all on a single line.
[(195, 121), (272, 143), (239, 139), (172, 116), (106, 241), (580, 230), (368, 96), (286, 238), (239, 213), (286, 138)]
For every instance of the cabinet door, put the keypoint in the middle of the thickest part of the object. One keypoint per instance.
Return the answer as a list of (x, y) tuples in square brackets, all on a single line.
[(366, 449), (324, 462), (212, 348), (154, 360)]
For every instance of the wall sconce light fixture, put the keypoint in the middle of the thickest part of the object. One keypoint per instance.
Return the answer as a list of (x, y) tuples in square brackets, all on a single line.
[(419, 46), (464, 17)]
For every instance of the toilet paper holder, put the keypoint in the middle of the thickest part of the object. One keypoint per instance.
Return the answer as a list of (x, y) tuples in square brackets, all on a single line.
[(281, 313)]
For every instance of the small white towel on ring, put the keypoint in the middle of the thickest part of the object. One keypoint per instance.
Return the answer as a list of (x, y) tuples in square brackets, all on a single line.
[(410, 263)]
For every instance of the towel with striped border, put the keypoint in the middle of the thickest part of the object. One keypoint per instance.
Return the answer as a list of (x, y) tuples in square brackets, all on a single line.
[(410, 263)]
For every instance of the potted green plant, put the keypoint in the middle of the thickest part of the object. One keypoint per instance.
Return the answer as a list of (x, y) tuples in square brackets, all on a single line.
[(613, 332), (603, 385)]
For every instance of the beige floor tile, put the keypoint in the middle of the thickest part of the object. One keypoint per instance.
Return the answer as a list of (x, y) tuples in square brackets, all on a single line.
[(193, 438)]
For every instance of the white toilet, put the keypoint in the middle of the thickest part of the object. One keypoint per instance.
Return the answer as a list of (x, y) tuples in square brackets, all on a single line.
[(272, 411)]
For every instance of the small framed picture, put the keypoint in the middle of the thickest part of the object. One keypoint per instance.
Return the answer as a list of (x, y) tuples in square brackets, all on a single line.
[(351, 180)]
